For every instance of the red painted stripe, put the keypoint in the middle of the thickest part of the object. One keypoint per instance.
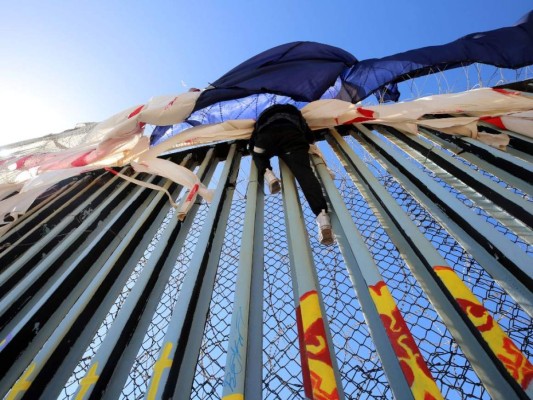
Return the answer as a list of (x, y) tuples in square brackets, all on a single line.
[(82, 160), (506, 92), (307, 294), (306, 374), (192, 192), (442, 268), (135, 112), (496, 121), (111, 170)]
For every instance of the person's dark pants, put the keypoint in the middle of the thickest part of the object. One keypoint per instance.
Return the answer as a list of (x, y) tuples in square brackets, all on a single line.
[(292, 147)]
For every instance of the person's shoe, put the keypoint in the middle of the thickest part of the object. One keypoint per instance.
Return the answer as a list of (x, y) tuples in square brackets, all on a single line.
[(274, 184), (325, 233)]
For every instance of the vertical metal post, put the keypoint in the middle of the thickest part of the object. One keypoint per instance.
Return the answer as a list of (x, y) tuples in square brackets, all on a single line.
[(195, 335), (511, 256), (175, 340), (138, 312), (254, 362), (320, 371), (416, 380), (430, 269), (237, 357)]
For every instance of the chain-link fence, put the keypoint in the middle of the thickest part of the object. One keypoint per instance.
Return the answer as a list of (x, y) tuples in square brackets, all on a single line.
[(361, 371)]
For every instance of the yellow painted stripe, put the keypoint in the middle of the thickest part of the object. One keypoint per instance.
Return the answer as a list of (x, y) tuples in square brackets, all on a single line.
[(323, 381), (234, 396), (88, 380), (163, 363), (503, 347), (413, 365), (22, 384)]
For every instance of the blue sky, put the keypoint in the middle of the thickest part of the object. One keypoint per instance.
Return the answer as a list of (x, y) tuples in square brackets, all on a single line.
[(67, 62)]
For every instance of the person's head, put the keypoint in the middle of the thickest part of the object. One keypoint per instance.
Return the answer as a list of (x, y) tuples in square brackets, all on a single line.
[(277, 108)]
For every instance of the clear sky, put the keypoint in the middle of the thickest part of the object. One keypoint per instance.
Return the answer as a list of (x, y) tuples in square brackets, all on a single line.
[(64, 62)]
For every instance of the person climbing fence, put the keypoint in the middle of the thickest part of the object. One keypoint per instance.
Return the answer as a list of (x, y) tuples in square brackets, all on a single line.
[(282, 131)]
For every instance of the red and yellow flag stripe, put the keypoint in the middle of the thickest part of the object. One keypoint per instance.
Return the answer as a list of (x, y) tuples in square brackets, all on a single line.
[(413, 366), (503, 347), (317, 366)]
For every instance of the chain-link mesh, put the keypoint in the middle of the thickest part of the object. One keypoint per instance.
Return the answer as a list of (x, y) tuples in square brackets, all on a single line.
[(209, 374), (430, 169), (281, 358), (139, 377), (514, 321), (360, 368), (425, 137), (451, 370)]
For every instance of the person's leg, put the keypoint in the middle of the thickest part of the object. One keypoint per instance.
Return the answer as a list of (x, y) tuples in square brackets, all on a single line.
[(261, 154), (299, 164), (262, 162)]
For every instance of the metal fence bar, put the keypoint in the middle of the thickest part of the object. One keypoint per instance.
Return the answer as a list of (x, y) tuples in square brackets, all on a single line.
[(136, 315), (442, 286), (169, 361), (15, 271), (515, 205), (237, 354), (35, 214), (494, 242), (514, 164), (194, 341), (254, 366), (409, 376), (319, 365), (70, 311), (504, 175)]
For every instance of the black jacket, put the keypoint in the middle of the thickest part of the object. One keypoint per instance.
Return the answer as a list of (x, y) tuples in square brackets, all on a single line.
[(280, 116)]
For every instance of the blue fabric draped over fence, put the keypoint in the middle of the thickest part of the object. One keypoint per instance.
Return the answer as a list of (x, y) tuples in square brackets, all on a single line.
[(300, 72), (510, 47)]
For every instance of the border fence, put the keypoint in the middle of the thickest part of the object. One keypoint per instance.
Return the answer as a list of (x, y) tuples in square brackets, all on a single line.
[(425, 295)]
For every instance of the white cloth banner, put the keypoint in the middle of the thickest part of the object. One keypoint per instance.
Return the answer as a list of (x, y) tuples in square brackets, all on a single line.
[(119, 140)]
